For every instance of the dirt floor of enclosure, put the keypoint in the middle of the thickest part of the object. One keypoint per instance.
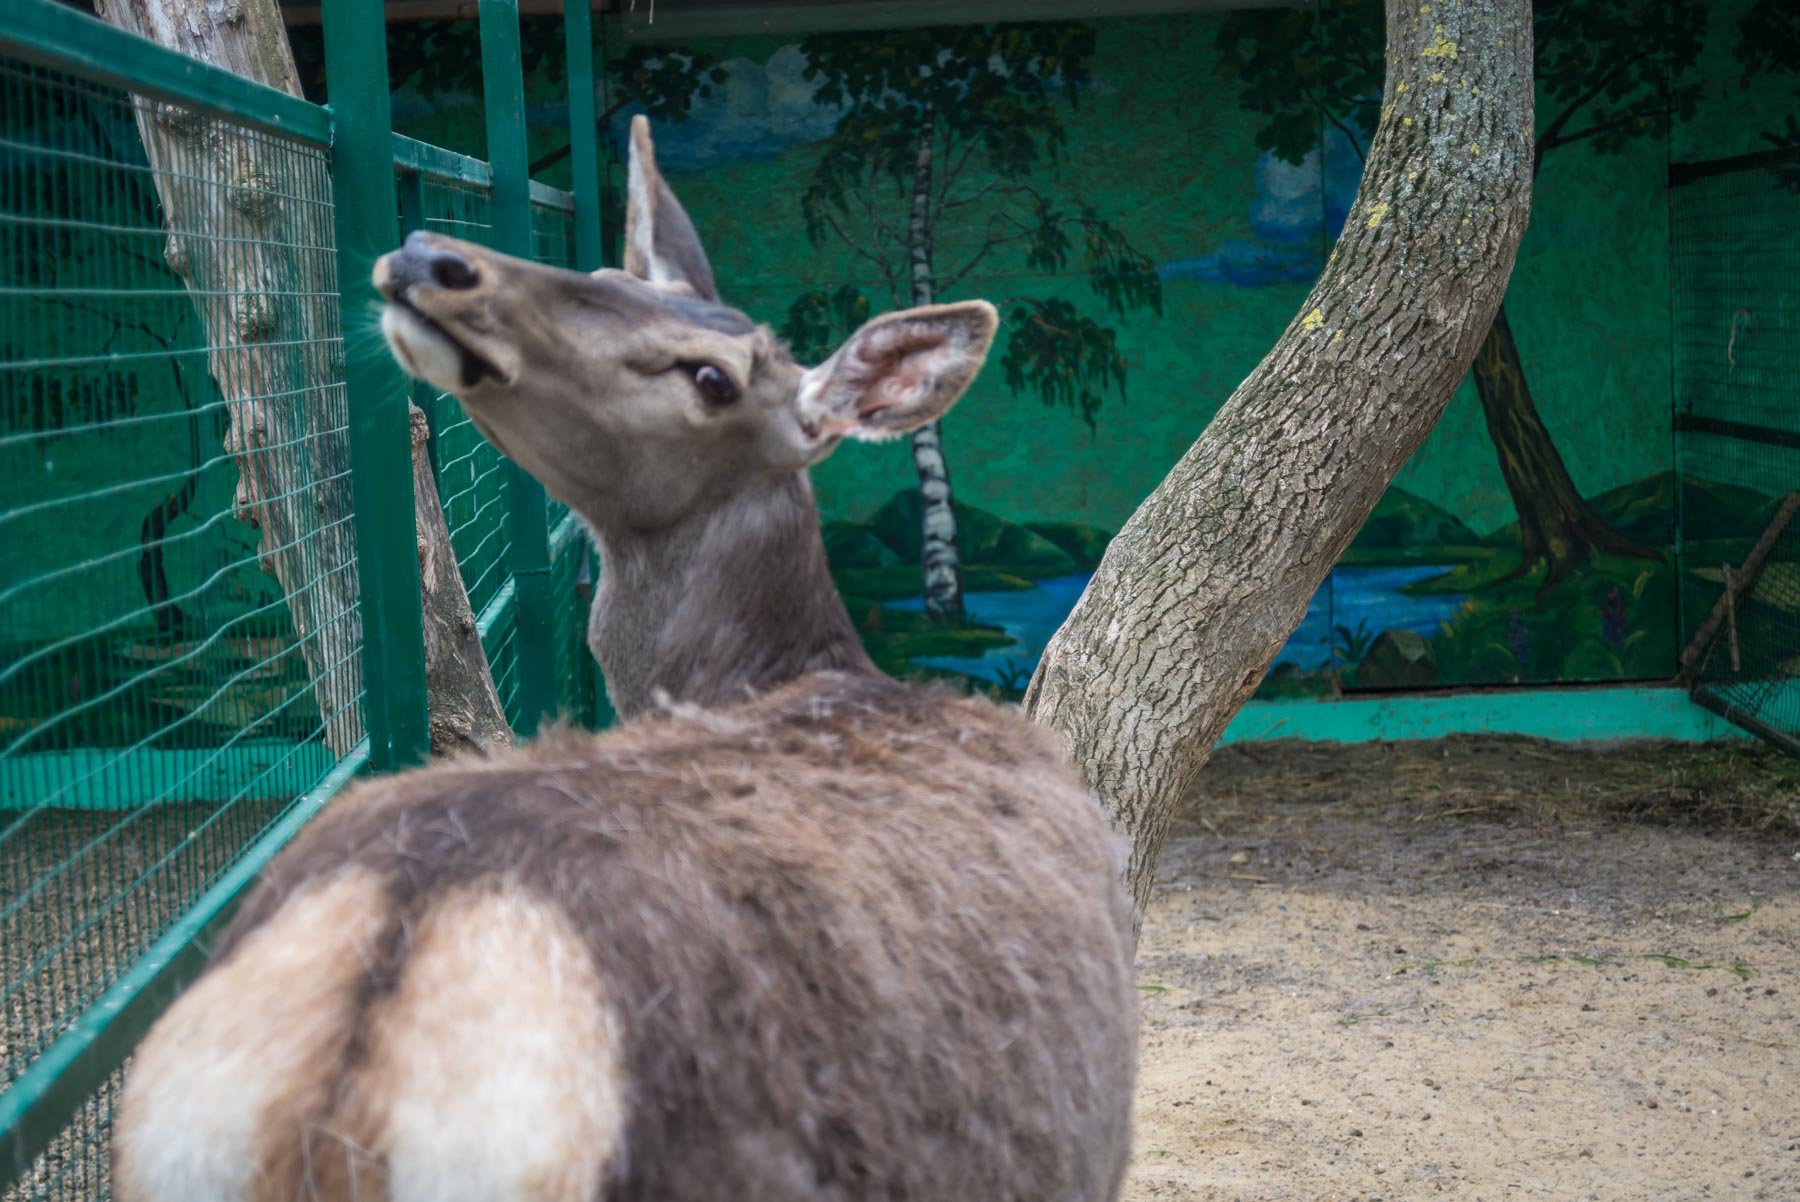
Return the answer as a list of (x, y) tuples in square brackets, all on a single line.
[(1479, 968)]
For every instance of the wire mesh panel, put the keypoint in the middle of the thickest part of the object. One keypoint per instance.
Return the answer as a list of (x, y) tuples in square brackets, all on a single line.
[(179, 628), (553, 242), (573, 568), (1736, 249), (471, 473), (553, 228), (573, 564)]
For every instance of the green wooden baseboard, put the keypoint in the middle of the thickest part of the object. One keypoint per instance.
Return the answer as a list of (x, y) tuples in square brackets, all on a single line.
[(1578, 714), (108, 778)]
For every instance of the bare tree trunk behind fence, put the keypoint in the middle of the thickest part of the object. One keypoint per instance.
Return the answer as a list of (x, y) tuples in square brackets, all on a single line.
[(226, 197), (1215, 570)]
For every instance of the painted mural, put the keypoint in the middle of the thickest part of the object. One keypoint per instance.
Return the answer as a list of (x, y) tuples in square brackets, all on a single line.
[(1147, 202)]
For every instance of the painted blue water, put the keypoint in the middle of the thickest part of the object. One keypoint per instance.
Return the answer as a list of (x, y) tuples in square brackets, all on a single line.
[(1351, 595), (1029, 616), (1370, 597)]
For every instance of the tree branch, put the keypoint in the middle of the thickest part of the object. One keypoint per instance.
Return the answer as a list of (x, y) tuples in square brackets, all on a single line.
[(1554, 24), (975, 196), (1332, 117), (858, 249), (1552, 133), (1606, 127), (880, 229), (955, 169)]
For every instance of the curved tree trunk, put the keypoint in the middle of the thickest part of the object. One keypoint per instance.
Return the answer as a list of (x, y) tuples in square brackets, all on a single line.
[(1214, 571), (274, 362), (939, 555), (1556, 525)]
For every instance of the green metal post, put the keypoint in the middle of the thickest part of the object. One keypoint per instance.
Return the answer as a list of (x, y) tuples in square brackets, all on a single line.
[(528, 520), (362, 178), (412, 217), (584, 154), (584, 162)]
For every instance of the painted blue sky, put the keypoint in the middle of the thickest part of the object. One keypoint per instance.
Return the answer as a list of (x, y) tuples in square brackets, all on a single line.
[(1298, 209), (760, 111)]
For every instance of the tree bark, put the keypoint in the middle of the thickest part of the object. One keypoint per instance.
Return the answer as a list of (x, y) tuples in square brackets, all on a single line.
[(1214, 571), (1556, 526), (940, 557), (465, 711), (232, 240)]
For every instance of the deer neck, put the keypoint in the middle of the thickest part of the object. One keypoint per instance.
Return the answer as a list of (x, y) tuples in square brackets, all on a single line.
[(727, 603)]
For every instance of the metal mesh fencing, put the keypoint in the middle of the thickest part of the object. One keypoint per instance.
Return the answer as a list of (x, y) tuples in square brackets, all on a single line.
[(179, 628), (573, 563), (553, 242), (77, 1165), (471, 473), (574, 567), (181, 611), (1736, 259), (472, 477)]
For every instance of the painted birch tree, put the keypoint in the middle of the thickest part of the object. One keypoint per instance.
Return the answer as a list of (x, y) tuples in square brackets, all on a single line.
[(932, 174)]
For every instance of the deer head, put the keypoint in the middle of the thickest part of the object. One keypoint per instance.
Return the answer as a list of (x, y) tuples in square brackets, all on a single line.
[(679, 428)]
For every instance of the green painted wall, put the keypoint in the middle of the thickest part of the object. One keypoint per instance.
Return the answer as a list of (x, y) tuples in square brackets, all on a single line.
[(1171, 141), (1194, 140)]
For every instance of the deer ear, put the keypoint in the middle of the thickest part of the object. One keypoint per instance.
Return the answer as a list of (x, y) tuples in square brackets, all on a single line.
[(898, 372), (661, 246)]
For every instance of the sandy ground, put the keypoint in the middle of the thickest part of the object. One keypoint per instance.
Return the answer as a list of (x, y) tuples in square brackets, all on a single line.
[(1471, 970)]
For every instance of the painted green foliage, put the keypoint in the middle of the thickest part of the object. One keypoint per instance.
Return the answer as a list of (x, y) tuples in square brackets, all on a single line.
[(932, 172), (1533, 546)]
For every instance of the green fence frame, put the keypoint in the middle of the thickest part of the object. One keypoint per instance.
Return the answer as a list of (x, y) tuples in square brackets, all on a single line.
[(1734, 252), (545, 546)]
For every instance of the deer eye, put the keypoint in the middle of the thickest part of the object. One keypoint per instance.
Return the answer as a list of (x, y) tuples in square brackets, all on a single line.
[(714, 384)]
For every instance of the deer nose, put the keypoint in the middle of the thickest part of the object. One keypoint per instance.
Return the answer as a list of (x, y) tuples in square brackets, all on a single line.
[(419, 262)]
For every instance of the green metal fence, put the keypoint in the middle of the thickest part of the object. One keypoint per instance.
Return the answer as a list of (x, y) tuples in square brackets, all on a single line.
[(453, 195), (209, 606), (1736, 259)]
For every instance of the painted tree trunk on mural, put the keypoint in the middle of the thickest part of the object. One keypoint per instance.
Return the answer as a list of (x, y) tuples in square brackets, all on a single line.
[(1210, 576), (1556, 526), (937, 511), (274, 365)]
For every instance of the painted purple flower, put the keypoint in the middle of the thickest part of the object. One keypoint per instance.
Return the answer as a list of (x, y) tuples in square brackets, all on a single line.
[(1518, 637), (1612, 617)]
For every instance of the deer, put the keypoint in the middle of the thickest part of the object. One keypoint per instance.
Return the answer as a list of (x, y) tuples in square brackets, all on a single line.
[(793, 930)]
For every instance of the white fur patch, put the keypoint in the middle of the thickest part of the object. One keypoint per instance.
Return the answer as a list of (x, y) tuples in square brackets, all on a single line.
[(423, 352), (248, 1043), (496, 1065)]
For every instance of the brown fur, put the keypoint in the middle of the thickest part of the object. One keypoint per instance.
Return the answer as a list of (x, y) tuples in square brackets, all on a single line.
[(850, 940)]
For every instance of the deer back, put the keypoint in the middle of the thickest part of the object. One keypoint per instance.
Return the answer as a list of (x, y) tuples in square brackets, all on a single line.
[(852, 939)]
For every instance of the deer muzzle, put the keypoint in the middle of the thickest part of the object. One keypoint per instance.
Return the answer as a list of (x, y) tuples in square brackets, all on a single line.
[(440, 313)]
